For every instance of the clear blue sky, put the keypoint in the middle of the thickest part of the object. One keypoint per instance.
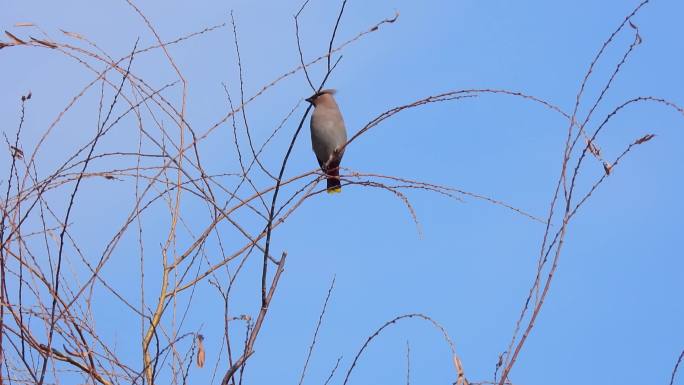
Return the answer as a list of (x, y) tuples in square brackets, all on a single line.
[(614, 314)]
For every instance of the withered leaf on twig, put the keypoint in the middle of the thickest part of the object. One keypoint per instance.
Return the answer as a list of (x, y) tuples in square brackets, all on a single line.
[(17, 153), (644, 139), (14, 39), (607, 168), (72, 34), (638, 36), (200, 351), (460, 379), (43, 42), (594, 149)]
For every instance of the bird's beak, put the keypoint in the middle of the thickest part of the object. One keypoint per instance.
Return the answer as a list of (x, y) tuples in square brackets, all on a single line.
[(310, 99)]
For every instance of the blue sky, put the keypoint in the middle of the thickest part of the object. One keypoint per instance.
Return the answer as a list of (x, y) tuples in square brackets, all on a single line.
[(614, 312)]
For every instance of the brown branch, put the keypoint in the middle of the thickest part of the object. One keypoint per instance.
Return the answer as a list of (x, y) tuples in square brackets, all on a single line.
[(68, 213), (457, 363), (249, 347)]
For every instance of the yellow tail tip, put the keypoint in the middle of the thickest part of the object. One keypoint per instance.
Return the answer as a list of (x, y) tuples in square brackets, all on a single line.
[(334, 190)]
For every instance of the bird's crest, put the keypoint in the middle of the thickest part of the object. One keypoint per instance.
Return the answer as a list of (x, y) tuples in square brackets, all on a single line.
[(313, 97)]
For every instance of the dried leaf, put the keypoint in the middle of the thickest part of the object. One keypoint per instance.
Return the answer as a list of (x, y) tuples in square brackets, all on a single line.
[(634, 27), (607, 168), (644, 139), (24, 24), (594, 149), (14, 39), (109, 177), (460, 380), (28, 96), (17, 153), (43, 42), (200, 351), (72, 34)]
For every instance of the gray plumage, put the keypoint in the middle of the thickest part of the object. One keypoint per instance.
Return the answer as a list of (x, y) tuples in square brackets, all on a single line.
[(328, 135)]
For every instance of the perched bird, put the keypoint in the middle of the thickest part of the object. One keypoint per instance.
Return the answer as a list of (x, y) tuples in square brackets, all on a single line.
[(328, 136)]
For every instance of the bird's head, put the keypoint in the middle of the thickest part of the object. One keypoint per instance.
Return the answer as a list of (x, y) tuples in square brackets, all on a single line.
[(315, 97)]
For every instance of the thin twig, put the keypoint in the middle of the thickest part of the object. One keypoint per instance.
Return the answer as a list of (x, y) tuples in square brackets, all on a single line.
[(676, 367), (318, 325)]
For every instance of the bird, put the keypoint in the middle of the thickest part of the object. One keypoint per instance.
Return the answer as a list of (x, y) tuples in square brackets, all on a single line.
[(328, 136)]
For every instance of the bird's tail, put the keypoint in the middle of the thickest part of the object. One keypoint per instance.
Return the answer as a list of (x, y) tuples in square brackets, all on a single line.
[(333, 178)]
